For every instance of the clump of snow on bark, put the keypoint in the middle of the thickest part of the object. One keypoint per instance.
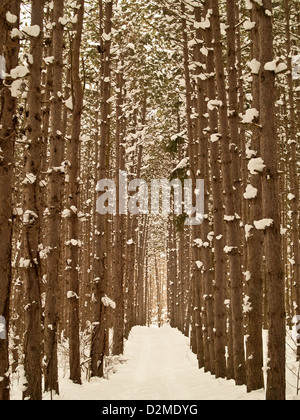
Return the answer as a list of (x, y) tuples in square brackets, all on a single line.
[(210, 236), (19, 72), (247, 275), (69, 103), (250, 115), (29, 217), (215, 137), (66, 213), (250, 193), (229, 218), (29, 179), (229, 249), (256, 165), (11, 18), (248, 25), (33, 31), (250, 153), (254, 66), (291, 197), (71, 295), (44, 252), (182, 164), (198, 242), (63, 21), (15, 33), (263, 224), (199, 264), (213, 104), (273, 66), (248, 229), (108, 302), (74, 242), (49, 60), (24, 263), (14, 88), (247, 306)]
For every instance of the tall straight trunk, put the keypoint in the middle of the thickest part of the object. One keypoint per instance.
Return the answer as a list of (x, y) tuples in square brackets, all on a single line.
[(9, 49), (294, 181), (270, 206), (100, 331), (231, 208), (255, 249), (129, 265), (219, 231), (32, 216), (55, 187), (141, 270), (203, 348), (73, 201), (202, 170), (119, 247), (158, 293), (132, 252), (170, 281), (173, 271)]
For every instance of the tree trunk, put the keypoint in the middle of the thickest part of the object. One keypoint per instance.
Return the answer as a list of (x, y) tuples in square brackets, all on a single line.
[(32, 216), (55, 189), (232, 225), (9, 49), (294, 181), (73, 242), (255, 379), (218, 212), (270, 193), (119, 247), (100, 331)]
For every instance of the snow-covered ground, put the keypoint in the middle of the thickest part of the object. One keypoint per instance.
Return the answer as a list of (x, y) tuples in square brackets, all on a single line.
[(159, 365)]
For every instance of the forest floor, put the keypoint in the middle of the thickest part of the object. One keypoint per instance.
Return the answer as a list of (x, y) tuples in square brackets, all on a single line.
[(158, 365)]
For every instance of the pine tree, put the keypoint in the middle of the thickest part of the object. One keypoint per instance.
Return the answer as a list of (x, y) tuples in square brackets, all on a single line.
[(9, 50), (73, 242), (55, 186), (32, 215)]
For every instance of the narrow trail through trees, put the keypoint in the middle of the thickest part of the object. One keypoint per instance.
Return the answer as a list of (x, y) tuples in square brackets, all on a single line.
[(157, 365)]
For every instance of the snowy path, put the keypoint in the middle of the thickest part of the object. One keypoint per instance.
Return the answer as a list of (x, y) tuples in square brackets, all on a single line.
[(159, 366)]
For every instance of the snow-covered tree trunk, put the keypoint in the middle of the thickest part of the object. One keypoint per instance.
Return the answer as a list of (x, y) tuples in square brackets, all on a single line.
[(100, 331), (9, 49), (270, 206), (32, 213), (294, 180), (54, 198), (254, 237), (219, 229), (73, 242), (232, 218), (120, 239)]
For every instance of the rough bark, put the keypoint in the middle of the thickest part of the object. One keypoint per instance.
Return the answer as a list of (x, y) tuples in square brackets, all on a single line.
[(218, 213), (9, 49), (73, 201), (32, 216), (55, 189), (230, 200), (270, 188), (100, 332), (255, 249)]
